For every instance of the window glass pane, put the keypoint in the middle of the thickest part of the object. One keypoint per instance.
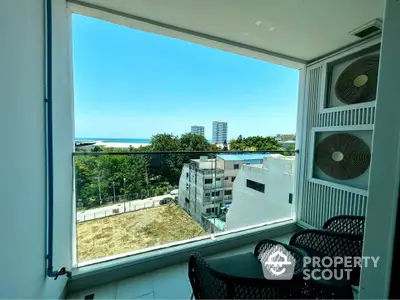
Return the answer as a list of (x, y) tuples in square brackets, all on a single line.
[(255, 185), (131, 193), (152, 189)]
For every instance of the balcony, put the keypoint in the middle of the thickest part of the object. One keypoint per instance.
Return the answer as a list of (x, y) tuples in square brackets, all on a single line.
[(128, 203), (26, 183)]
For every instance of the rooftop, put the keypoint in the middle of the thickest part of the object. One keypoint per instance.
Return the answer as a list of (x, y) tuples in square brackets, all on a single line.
[(242, 156), (202, 160)]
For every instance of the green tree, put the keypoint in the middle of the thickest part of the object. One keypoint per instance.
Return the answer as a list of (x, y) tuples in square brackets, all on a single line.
[(137, 174), (165, 142), (194, 142), (255, 143), (289, 150), (142, 175)]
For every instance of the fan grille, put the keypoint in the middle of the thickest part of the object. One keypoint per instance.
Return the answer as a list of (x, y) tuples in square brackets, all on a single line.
[(358, 82), (342, 156)]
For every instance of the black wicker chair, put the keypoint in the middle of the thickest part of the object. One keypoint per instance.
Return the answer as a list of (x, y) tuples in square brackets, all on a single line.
[(342, 236), (310, 288), (241, 277), (346, 224)]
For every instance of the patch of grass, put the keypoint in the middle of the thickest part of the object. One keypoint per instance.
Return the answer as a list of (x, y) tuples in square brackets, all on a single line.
[(135, 231)]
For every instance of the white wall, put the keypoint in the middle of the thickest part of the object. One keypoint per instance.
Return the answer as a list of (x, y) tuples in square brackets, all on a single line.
[(251, 207), (385, 164), (22, 154), (209, 165)]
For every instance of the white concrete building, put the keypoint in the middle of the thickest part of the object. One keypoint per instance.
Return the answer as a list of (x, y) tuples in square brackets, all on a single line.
[(205, 185), (197, 129), (220, 132), (262, 193), (201, 188)]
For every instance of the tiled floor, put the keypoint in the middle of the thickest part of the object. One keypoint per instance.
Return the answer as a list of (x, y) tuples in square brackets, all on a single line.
[(167, 283)]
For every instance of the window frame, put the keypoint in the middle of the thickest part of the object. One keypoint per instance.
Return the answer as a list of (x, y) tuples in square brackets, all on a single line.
[(229, 194), (215, 193), (97, 272), (256, 186)]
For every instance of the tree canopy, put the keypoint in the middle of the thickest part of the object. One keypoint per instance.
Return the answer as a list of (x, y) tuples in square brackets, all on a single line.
[(98, 178), (254, 143), (135, 176)]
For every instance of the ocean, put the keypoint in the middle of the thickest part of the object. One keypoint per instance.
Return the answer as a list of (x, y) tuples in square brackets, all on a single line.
[(119, 140), (115, 140)]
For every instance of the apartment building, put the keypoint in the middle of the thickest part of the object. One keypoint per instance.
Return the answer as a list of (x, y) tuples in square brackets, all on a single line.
[(197, 129), (205, 186), (220, 132), (201, 188)]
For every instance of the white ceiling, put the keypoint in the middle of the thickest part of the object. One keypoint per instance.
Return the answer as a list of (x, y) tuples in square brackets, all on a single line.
[(301, 30)]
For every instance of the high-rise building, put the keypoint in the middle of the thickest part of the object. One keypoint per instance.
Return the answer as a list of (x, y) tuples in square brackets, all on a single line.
[(220, 132), (196, 129)]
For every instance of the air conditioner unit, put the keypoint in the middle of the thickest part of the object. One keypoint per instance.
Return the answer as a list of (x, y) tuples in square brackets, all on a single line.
[(343, 157), (353, 79)]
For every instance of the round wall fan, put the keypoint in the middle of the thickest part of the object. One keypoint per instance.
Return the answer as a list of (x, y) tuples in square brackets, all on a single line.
[(342, 156), (358, 82)]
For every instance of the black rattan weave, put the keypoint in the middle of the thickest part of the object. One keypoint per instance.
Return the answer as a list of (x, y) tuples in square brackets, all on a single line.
[(208, 283), (347, 224), (324, 243)]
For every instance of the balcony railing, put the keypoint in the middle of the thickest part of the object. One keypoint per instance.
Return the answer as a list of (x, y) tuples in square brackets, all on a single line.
[(131, 201)]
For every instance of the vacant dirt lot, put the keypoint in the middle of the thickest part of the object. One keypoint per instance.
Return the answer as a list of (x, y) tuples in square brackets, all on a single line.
[(134, 231)]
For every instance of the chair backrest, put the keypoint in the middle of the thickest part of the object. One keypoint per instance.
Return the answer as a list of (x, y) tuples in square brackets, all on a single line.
[(204, 284), (332, 244), (345, 224), (208, 283)]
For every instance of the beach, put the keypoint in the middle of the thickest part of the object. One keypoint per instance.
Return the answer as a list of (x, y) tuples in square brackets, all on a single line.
[(120, 145)]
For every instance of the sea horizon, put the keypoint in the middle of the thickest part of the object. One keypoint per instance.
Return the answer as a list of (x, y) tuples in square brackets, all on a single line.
[(116, 140), (119, 140)]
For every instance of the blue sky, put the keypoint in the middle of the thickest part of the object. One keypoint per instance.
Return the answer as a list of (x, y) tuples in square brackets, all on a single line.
[(133, 84)]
